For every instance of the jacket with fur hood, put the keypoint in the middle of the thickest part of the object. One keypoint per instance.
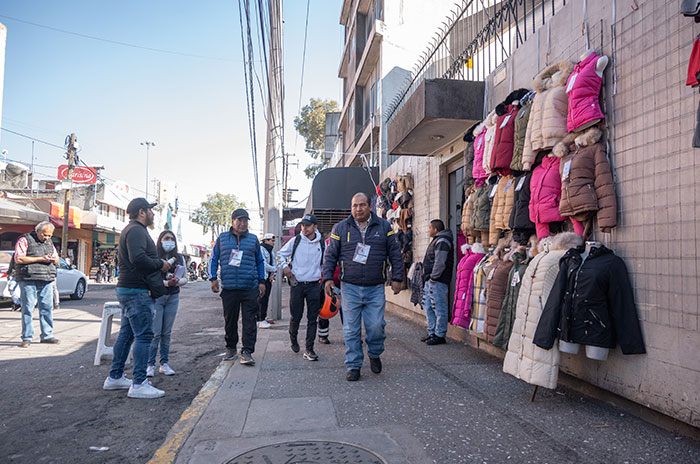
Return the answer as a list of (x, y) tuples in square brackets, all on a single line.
[(464, 285), (586, 180), (482, 209), (515, 278), (501, 207), (503, 145), (489, 140), (496, 286), (468, 209), (478, 167), (547, 123), (545, 192), (519, 133), (524, 359)]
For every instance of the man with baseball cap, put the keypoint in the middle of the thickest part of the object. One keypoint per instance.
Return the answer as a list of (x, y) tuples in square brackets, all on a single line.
[(238, 252), (268, 244)]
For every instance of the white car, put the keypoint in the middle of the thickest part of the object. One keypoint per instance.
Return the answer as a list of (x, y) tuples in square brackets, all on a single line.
[(69, 280)]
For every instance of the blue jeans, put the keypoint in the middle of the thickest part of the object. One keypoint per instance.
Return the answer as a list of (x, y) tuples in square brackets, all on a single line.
[(163, 319), (435, 305), (33, 292), (363, 304), (136, 327)]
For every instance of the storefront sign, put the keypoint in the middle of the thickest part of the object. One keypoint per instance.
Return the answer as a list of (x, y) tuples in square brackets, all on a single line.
[(81, 174)]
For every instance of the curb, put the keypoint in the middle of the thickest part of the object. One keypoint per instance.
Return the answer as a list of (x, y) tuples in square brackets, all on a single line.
[(181, 430)]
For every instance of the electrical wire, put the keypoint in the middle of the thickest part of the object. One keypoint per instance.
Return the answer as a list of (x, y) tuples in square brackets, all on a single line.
[(34, 139), (303, 64)]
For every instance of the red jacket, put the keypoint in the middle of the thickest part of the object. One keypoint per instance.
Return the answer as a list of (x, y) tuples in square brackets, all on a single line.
[(502, 153), (583, 89), (545, 192)]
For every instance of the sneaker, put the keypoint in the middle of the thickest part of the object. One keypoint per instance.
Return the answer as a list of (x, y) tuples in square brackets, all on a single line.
[(150, 370), (270, 321), (353, 375), (25, 344), (230, 354), (309, 355), (166, 370), (376, 365), (436, 341), (51, 341), (144, 391), (264, 325), (324, 340), (247, 359), (117, 384), (16, 307), (295, 346), (426, 338)]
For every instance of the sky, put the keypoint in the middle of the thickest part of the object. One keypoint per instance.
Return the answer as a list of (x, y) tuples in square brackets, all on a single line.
[(113, 97)]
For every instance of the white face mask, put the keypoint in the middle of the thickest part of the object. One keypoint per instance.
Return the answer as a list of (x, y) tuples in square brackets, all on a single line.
[(168, 245)]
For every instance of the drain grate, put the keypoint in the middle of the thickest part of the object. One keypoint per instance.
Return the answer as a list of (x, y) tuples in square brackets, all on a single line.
[(308, 452)]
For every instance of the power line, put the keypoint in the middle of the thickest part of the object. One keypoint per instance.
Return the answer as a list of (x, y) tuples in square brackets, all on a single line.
[(34, 138), (303, 64), (116, 42)]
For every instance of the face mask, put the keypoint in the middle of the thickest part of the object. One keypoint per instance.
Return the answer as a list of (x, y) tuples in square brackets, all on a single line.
[(168, 245)]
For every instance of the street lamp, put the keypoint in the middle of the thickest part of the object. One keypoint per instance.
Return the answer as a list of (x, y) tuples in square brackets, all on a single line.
[(148, 144)]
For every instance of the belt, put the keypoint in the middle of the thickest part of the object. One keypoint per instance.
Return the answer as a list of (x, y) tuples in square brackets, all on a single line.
[(309, 283)]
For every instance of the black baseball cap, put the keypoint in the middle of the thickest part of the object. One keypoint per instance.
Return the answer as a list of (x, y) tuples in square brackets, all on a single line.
[(138, 203), (309, 219), (240, 213)]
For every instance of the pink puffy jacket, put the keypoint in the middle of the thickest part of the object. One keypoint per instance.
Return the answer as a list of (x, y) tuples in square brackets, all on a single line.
[(583, 89), (478, 170), (464, 286), (545, 192)]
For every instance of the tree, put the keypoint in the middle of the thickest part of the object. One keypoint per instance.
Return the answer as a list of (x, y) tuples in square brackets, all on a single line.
[(215, 212), (311, 124)]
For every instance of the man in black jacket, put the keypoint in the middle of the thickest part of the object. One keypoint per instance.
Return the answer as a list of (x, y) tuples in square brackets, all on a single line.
[(437, 275), (138, 260), (362, 244)]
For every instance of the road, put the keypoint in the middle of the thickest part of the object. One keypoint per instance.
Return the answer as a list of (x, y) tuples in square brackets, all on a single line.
[(53, 408)]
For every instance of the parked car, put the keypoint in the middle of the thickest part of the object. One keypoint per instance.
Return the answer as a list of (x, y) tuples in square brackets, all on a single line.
[(69, 280)]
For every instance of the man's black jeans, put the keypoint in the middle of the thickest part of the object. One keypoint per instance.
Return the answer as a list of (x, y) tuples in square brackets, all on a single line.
[(245, 302), (262, 313), (311, 292)]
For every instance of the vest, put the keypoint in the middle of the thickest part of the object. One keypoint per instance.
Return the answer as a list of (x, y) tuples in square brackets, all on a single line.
[(45, 272), (245, 276), (583, 88)]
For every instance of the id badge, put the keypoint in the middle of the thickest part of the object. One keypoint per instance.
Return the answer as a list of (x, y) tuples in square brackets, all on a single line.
[(570, 85), (566, 170), (520, 184), (236, 257), (505, 122), (361, 253)]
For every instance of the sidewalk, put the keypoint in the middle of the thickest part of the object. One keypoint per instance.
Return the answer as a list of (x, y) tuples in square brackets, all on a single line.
[(440, 404)]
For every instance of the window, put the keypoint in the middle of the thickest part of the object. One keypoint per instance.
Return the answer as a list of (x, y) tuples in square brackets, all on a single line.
[(121, 214), (104, 209)]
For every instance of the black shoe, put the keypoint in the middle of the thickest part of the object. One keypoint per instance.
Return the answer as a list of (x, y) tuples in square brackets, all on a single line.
[(426, 338), (231, 354), (375, 364), (436, 341), (52, 341), (16, 307), (324, 340), (247, 359), (295, 346), (309, 355), (353, 375)]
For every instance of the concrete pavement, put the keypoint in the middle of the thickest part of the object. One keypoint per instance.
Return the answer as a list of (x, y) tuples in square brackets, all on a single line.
[(440, 404)]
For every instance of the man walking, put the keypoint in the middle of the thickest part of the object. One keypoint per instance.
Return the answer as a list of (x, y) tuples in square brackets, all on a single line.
[(437, 275), (361, 244), (238, 252), (139, 269), (268, 244), (301, 260), (35, 270)]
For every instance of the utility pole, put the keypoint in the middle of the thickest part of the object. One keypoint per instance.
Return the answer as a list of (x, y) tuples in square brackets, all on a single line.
[(66, 202)]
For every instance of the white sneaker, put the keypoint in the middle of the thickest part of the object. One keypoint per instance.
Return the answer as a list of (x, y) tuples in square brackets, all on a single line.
[(145, 390), (166, 370), (117, 384), (150, 370), (264, 325)]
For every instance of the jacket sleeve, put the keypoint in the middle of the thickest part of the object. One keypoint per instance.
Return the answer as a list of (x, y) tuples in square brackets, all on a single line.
[(269, 266), (624, 311), (214, 260), (605, 190), (136, 249), (442, 251), (546, 331), (330, 260), (397, 267), (284, 254), (260, 262)]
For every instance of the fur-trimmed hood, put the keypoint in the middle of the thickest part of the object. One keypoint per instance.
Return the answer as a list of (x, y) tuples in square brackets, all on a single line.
[(491, 119), (471, 133), (478, 248), (554, 75), (581, 139), (515, 96), (566, 241)]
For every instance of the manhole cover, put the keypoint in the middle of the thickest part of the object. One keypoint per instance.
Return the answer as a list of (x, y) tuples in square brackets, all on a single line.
[(308, 452)]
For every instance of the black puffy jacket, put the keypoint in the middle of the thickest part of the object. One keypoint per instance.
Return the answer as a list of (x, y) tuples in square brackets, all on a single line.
[(591, 303)]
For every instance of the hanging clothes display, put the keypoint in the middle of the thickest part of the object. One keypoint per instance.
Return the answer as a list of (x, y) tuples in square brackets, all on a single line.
[(504, 328), (547, 123), (501, 208), (524, 359), (583, 89), (519, 221), (489, 140), (478, 315), (496, 286), (464, 286), (591, 303), (519, 131), (545, 193)]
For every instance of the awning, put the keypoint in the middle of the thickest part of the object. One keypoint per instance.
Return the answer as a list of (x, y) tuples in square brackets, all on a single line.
[(15, 213)]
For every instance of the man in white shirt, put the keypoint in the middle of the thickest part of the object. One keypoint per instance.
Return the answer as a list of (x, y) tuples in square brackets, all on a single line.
[(300, 260)]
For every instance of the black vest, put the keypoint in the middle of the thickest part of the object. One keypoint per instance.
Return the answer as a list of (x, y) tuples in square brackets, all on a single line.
[(36, 271)]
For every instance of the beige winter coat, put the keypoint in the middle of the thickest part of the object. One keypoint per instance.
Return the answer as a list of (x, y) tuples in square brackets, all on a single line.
[(501, 208), (547, 123), (490, 139), (524, 360)]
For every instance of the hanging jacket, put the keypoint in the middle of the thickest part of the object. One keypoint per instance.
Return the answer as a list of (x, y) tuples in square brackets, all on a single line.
[(478, 315), (251, 270), (592, 303), (507, 317), (583, 89), (503, 143), (479, 141), (468, 209), (545, 192), (417, 285), (501, 208), (464, 286), (525, 360), (547, 123), (519, 132), (482, 209), (469, 137), (520, 214), (586, 181), (489, 140), (496, 285)]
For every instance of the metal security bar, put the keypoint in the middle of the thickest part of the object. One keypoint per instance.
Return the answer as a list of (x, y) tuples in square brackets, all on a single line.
[(474, 40)]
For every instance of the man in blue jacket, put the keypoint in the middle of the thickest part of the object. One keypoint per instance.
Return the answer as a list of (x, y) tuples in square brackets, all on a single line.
[(242, 283), (362, 244)]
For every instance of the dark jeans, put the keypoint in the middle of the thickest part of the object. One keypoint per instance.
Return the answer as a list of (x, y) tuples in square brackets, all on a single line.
[(246, 303), (262, 310), (311, 292)]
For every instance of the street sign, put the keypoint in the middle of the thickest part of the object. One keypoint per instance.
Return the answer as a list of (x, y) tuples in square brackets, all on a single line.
[(81, 174)]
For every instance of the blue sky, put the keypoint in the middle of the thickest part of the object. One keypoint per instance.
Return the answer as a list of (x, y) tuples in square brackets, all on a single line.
[(114, 97)]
